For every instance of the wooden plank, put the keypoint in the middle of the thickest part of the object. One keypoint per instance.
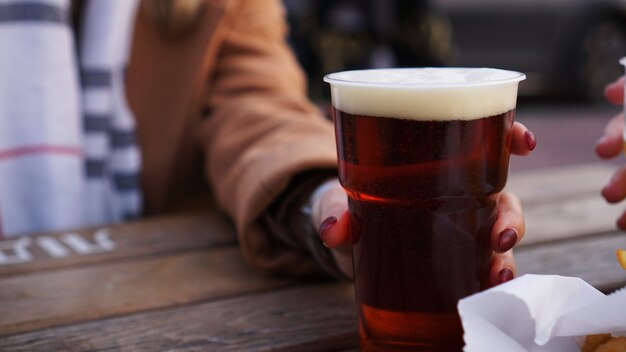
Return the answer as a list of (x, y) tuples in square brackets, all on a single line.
[(129, 240), (316, 318), (565, 202), (53, 298), (569, 218), (591, 258), (538, 186)]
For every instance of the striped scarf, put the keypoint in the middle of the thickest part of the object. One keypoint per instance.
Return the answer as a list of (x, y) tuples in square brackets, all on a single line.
[(68, 151)]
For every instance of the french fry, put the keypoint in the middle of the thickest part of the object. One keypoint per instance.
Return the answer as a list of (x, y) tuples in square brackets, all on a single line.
[(621, 257), (592, 342), (617, 344)]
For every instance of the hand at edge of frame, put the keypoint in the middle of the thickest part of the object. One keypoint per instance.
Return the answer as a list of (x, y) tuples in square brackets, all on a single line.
[(611, 145)]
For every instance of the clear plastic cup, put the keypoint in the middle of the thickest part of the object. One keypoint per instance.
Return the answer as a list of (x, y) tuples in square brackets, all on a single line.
[(423, 155)]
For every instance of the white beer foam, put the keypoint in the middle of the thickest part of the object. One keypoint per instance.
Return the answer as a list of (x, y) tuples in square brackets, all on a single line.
[(425, 93)]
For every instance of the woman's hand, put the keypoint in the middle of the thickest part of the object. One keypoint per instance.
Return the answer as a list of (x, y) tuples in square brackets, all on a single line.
[(330, 210), (610, 145)]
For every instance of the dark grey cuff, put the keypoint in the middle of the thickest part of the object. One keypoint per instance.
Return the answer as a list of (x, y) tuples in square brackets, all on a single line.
[(289, 220)]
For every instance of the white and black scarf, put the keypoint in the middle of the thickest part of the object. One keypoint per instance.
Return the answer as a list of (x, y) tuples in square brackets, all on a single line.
[(68, 151)]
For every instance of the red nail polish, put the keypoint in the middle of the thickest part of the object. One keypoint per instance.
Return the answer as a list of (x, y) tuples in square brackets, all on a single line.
[(326, 224), (530, 140), (508, 239)]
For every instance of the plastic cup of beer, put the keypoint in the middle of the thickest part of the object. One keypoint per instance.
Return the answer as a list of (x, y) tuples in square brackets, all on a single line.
[(423, 154)]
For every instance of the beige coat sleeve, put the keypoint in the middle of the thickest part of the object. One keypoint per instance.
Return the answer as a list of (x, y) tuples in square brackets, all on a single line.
[(262, 132)]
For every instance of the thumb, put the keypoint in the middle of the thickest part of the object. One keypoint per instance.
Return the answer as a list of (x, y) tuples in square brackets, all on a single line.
[(330, 214)]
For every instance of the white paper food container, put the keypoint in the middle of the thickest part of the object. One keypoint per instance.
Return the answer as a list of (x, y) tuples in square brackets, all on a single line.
[(540, 313)]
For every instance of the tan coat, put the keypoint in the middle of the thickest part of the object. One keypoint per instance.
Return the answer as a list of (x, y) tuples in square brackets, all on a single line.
[(226, 103)]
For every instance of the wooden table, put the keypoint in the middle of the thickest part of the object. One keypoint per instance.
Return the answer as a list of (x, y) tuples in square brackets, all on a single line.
[(179, 282)]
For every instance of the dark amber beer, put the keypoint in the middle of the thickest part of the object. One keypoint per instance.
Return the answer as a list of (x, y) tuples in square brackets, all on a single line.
[(423, 155)]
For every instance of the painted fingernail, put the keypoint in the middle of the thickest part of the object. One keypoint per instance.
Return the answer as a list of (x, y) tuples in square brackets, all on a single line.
[(326, 224), (505, 275), (508, 239), (530, 140)]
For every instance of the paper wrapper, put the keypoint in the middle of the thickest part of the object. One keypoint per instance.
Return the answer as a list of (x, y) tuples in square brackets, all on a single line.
[(540, 313)]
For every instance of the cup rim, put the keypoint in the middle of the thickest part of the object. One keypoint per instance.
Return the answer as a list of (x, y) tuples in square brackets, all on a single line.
[(509, 76)]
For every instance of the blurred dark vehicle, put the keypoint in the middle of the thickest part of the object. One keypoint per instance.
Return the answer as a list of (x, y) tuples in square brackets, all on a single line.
[(568, 48), (336, 35)]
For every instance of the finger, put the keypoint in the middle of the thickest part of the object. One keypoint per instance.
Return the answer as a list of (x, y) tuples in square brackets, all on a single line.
[(335, 232), (502, 268), (615, 190), (509, 227), (329, 199), (330, 212), (523, 141), (611, 143), (614, 92)]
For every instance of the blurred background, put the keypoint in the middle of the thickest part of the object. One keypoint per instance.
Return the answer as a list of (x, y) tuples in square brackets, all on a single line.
[(569, 50)]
